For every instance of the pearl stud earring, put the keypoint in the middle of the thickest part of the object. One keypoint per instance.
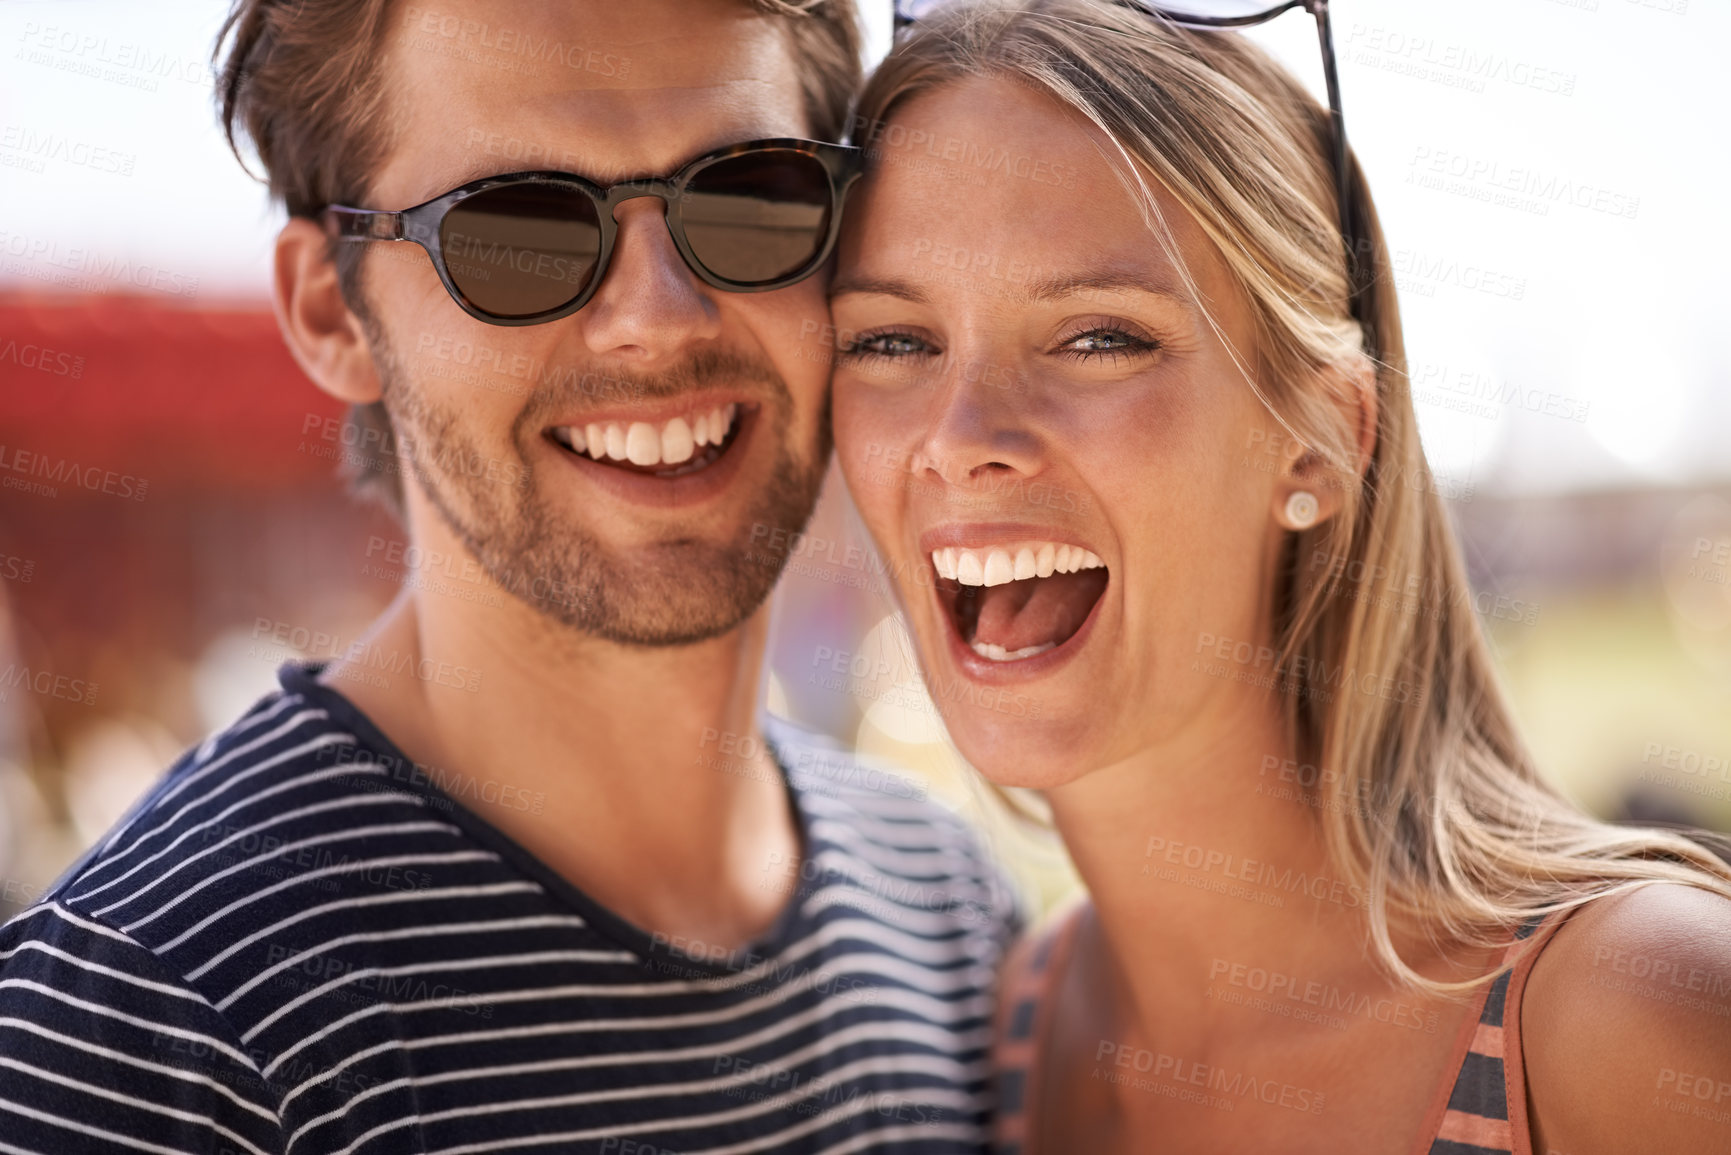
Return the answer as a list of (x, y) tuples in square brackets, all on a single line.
[(1301, 509)]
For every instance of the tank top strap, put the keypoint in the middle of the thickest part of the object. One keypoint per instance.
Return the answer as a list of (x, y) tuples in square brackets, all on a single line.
[(1025, 999), (1483, 1110)]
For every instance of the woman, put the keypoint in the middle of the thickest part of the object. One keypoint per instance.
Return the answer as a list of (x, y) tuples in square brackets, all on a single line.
[(1164, 533)]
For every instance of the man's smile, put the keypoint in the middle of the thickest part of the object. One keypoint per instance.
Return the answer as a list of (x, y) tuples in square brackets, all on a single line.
[(674, 447)]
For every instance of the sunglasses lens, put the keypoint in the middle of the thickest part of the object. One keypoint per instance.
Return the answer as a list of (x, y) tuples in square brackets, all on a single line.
[(916, 9), (1204, 11), (1180, 10), (521, 249), (759, 217)]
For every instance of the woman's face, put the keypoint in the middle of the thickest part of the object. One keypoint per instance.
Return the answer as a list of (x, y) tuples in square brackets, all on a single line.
[(1025, 380)]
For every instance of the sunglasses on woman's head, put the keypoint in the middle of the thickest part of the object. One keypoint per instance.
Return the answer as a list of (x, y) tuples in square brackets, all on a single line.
[(1218, 14), (530, 247)]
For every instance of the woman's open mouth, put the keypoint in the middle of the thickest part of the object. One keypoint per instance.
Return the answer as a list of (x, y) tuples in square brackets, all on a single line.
[(1012, 602)]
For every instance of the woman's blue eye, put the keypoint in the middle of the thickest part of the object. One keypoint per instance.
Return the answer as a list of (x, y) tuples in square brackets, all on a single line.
[(884, 345), (1106, 341), (1106, 344)]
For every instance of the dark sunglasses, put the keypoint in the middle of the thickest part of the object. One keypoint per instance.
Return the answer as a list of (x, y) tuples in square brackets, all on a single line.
[(529, 247), (1217, 14)]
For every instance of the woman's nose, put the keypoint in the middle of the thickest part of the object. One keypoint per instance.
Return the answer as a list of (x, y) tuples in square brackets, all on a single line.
[(976, 427)]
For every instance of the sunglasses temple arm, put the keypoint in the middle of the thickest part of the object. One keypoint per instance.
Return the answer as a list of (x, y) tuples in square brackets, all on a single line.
[(1342, 186), (346, 224)]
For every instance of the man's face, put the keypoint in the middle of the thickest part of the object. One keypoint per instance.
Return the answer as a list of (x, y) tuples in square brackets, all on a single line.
[(654, 555)]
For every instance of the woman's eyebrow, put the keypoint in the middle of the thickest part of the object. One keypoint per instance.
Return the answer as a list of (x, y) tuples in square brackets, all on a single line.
[(1093, 285), (879, 286), (1106, 282)]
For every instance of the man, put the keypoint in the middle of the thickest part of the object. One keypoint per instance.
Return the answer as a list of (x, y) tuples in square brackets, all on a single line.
[(518, 872)]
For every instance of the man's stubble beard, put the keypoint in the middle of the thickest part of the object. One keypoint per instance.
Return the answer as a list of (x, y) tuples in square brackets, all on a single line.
[(677, 593)]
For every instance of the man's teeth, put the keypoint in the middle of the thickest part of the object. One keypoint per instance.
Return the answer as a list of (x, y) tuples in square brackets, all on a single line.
[(999, 564), (1000, 654), (641, 443)]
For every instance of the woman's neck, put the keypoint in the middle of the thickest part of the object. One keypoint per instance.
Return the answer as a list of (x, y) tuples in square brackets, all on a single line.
[(1201, 856)]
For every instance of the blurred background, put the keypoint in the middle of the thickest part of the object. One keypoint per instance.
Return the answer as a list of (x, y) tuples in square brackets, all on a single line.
[(1551, 175)]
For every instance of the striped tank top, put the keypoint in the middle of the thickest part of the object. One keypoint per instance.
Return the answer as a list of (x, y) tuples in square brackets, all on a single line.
[(1480, 1110)]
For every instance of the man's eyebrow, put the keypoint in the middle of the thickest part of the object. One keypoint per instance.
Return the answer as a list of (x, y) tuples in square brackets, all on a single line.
[(879, 286), (496, 167), (492, 166), (477, 172)]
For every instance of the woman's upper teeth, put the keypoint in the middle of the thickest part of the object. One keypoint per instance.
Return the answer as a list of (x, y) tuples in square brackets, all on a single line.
[(995, 565), (641, 443)]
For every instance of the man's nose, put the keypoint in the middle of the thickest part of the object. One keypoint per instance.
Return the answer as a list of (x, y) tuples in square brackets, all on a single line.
[(649, 306)]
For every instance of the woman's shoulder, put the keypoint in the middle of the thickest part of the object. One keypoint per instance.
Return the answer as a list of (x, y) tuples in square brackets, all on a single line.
[(1626, 1025)]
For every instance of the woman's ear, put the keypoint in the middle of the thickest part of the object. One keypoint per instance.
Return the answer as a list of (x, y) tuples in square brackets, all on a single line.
[(1311, 487), (325, 337)]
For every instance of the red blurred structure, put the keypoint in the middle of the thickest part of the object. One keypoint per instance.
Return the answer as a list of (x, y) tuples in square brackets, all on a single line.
[(167, 476), (173, 395)]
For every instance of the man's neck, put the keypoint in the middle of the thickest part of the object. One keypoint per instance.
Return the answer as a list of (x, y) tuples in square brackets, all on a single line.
[(637, 774)]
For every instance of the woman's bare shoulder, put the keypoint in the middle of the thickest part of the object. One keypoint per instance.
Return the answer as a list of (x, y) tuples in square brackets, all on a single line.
[(1626, 1026)]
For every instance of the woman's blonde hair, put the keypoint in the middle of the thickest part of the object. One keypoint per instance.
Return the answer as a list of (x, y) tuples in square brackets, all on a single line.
[(1428, 798)]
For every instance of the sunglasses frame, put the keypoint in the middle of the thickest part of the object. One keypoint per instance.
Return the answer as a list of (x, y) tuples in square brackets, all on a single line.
[(420, 224), (1352, 230)]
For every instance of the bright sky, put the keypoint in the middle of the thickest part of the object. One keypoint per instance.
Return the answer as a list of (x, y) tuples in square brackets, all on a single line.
[(1551, 174)]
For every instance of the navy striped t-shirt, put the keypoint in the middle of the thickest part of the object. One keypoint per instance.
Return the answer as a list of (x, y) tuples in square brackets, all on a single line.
[(298, 942)]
